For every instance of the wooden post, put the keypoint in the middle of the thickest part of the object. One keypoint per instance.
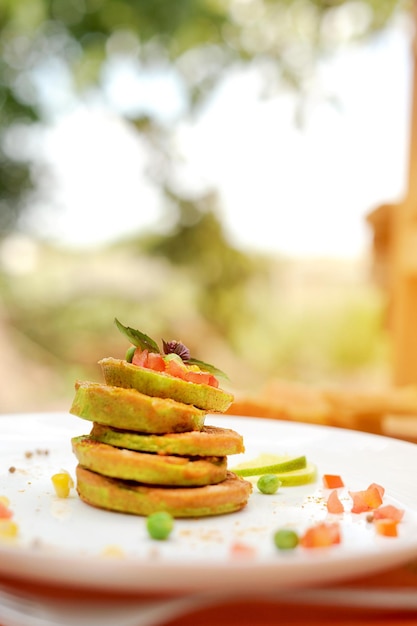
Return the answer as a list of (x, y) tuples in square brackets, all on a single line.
[(403, 261)]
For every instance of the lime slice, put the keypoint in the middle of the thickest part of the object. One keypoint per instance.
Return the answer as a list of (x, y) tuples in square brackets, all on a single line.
[(270, 464), (289, 478), (299, 477)]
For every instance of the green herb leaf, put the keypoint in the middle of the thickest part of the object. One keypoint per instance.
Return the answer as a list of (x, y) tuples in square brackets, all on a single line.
[(207, 367), (138, 339)]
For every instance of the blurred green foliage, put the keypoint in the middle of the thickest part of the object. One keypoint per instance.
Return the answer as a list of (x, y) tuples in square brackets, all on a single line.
[(199, 39), (232, 308)]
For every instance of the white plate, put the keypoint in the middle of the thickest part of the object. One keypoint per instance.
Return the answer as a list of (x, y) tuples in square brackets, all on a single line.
[(66, 542)]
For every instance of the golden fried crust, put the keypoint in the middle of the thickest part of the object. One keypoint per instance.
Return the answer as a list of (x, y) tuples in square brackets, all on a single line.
[(148, 468), (210, 441), (120, 373), (230, 495), (132, 410)]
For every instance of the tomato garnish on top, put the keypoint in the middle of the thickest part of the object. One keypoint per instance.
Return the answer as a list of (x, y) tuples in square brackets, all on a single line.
[(175, 359), (173, 367)]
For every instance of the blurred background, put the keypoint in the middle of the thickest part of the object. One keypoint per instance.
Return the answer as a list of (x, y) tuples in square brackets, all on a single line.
[(221, 172)]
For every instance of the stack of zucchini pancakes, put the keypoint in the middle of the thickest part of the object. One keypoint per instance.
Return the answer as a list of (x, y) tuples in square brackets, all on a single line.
[(149, 448)]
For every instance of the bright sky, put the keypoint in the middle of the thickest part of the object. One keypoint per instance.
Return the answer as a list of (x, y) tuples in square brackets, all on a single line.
[(282, 189)]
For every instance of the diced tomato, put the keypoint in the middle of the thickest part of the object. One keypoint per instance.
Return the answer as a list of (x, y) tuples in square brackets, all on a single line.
[(175, 368), (334, 505), (213, 382), (155, 362), (140, 357), (151, 360), (388, 511), (5, 511), (197, 377), (366, 500), (332, 481), (387, 527), (201, 378), (359, 502), (321, 535), (379, 487)]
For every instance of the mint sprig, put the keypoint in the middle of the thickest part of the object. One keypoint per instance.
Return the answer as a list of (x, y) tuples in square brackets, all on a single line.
[(140, 340), (143, 341)]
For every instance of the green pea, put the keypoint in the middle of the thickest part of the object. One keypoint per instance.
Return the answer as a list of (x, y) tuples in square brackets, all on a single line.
[(268, 483), (159, 525), (129, 354), (286, 539)]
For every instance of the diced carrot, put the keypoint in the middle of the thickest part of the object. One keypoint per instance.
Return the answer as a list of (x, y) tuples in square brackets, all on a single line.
[(386, 527), (332, 481), (321, 535), (389, 511), (334, 505), (366, 500)]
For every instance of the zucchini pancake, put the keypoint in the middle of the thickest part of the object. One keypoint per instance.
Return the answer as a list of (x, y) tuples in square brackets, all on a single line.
[(149, 448)]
